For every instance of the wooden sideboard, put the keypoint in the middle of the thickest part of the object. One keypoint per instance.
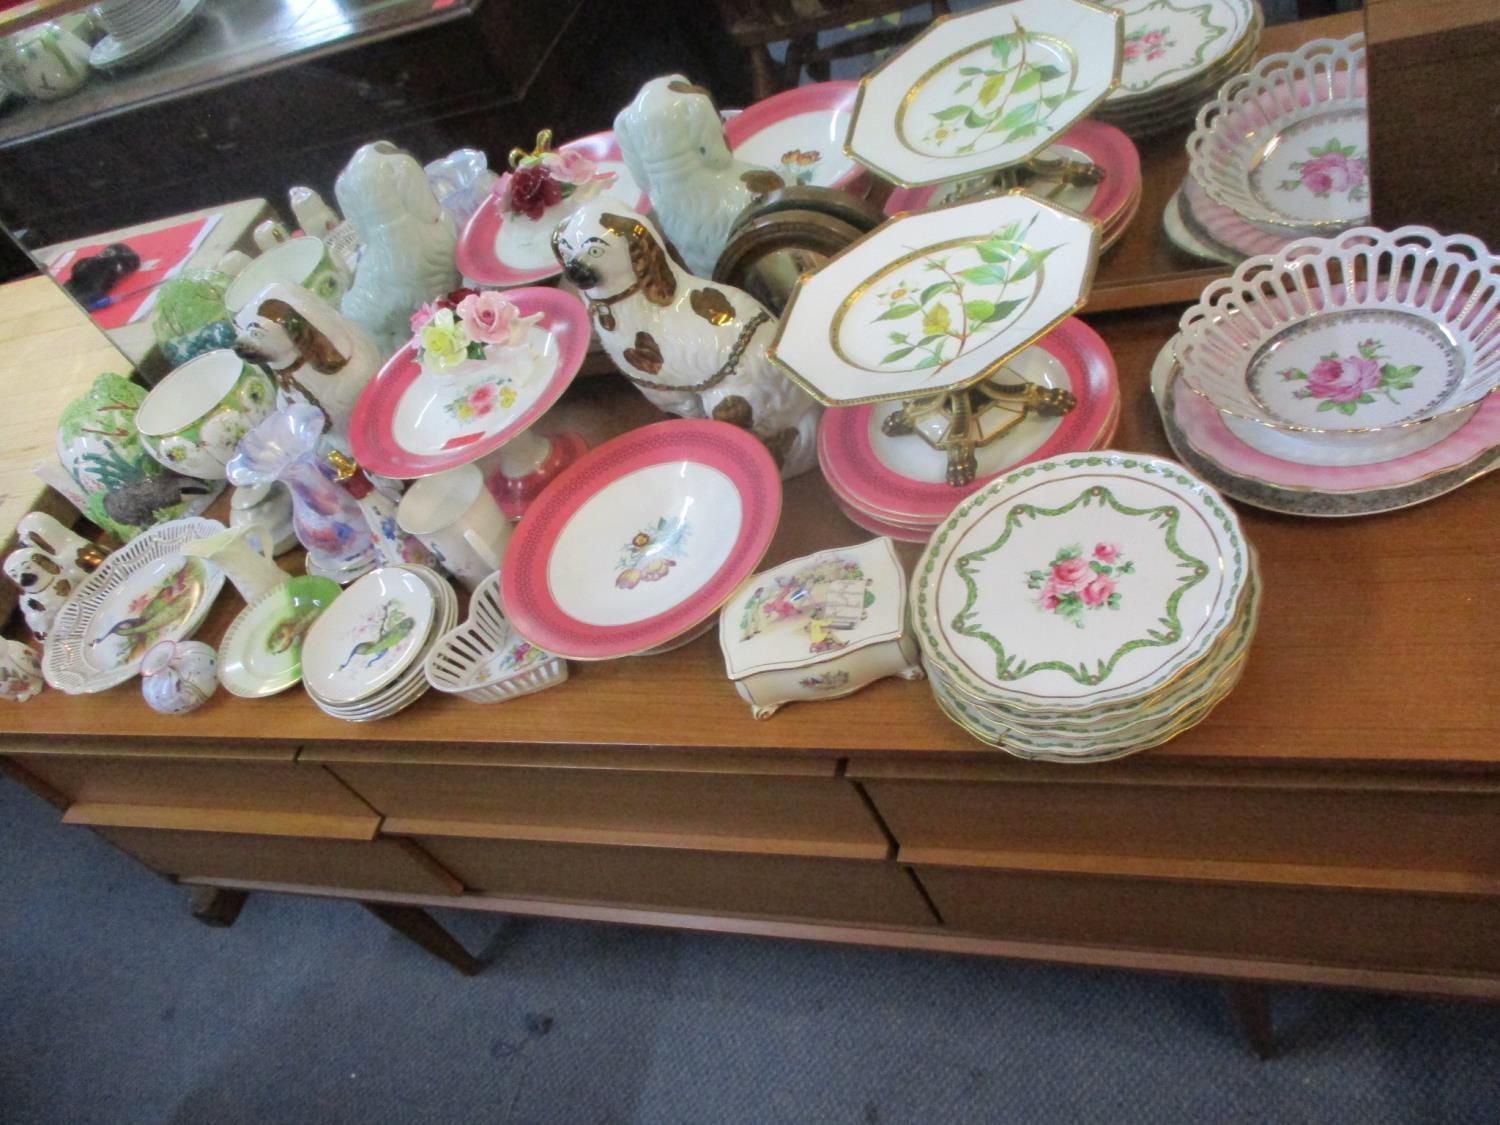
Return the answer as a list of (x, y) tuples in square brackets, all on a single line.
[(1335, 821)]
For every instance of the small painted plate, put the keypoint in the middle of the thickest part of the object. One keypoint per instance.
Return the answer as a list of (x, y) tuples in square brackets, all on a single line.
[(369, 636), (410, 423), (1089, 141), (144, 593), (1079, 582), (799, 134), (903, 479), (490, 253), (935, 300), (984, 89), (1170, 44), (642, 540), (261, 653)]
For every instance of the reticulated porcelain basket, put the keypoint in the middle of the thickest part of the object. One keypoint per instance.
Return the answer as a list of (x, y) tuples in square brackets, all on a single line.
[(484, 660), (1369, 330), (1285, 145)]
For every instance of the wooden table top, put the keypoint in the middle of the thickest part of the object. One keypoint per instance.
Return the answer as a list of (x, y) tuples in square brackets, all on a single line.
[(1376, 645)]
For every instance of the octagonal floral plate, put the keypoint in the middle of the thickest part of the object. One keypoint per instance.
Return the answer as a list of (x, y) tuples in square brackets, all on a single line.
[(1170, 43), (1077, 582), (936, 300), (984, 89)]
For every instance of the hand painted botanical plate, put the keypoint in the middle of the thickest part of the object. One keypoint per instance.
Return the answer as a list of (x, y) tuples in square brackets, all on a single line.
[(144, 593), (487, 255), (903, 479), (261, 653), (369, 636), (641, 540), (1079, 582), (411, 423), (935, 300), (1088, 141), (984, 89), (799, 134), (1170, 43)]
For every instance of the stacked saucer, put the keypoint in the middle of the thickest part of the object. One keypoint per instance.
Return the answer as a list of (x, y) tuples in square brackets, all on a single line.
[(1281, 152), (1174, 58), (1086, 607), (1301, 385), (897, 486), (138, 29), (362, 658)]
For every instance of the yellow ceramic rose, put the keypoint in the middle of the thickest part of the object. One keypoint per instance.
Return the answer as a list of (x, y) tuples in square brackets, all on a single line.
[(444, 341)]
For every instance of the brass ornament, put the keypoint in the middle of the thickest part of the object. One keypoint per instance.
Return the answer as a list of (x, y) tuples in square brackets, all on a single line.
[(543, 146)]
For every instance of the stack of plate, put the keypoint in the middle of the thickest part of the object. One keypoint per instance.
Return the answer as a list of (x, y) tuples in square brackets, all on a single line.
[(1175, 57), (1086, 607), (362, 658), (897, 486), (1281, 153), (139, 29), (1342, 376)]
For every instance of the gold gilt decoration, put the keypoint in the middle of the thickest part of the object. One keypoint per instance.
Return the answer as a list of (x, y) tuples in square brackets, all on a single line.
[(543, 145), (736, 410), (762, 183), (729, 367), (712, 306), (645, 355)]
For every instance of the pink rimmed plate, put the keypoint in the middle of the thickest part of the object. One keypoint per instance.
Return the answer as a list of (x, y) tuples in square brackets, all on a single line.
[(901, 479), (1093, 141), (799, 134), (486, 255), (641, 540), (409, 423)]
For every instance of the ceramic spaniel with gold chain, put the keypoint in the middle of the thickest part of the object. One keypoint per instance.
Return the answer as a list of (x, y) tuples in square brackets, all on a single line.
[(693, 347)]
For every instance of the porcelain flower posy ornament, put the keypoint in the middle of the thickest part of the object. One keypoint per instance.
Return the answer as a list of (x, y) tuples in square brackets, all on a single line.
[(466, 328)]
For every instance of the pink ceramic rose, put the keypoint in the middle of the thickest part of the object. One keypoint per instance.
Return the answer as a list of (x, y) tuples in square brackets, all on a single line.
[(491, 319), (1097, 592), (1333, 171), (1072, 574), (569, 166), (1343, 380)]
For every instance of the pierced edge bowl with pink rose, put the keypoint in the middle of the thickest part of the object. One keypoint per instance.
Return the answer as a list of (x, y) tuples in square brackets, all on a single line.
[(1349, 339), (1286, 145)]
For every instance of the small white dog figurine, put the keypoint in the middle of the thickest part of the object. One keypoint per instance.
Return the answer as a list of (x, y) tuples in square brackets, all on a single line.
[(315, 354), (672, 138), (408, 240), (694, 348), (48, 566)]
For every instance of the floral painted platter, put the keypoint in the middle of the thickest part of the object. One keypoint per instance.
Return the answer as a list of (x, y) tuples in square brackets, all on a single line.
[(1091, 141), (371, 634), (903, 479), (799, 134), (1286, 145), (261, 653), (1171, 43), (144, 593), (641, 540), (489, 254), (1079, 582), (981, 90), (410, 422), (935, 300)]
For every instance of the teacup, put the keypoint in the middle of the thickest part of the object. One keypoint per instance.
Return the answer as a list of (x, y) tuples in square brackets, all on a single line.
[(455, 517), (301, 261), (192, 421)]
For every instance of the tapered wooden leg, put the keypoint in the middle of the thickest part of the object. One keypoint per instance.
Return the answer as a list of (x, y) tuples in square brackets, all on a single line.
[(419, 926), (216, 906), (1251, 1006)]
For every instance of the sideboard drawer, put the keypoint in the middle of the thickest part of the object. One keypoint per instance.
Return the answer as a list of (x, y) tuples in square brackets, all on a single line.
[(1424, 933), (375, 865), (819, 816), (832, 890)]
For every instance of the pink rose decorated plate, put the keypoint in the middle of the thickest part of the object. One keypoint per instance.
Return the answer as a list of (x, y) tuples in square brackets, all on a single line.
[(902, 480), (641, 540), (507, 242), (799, 134), (419, 418)]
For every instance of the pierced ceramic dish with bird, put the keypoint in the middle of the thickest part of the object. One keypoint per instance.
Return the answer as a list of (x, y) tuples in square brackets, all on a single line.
[(145, 593)]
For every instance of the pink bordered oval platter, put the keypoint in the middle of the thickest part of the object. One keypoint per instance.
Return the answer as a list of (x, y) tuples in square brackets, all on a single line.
[(528, 260), (1095, 141), (641, 540), (901, 479), (410, 423), (799, 134)]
